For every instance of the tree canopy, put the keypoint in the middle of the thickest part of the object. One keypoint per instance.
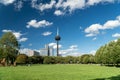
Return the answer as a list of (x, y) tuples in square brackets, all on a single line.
[(8, 47), (109, 53)]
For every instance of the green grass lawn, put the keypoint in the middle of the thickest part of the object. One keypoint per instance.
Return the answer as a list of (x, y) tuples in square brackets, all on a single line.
[(60, 72)]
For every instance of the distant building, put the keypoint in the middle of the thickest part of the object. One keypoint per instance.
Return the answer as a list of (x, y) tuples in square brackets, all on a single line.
[(33, 53), (43, 52), (51, 51), (47, 51), (29, 52)]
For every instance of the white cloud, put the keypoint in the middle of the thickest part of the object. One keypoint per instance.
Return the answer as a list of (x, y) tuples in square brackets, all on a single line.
[(72, 5), (117, 35), (93, 2), (35, 24), (42, 6), (118, 17), (46, 33), (111, 24), (93, 52), (24, 51), (18, 35), (94, 29), (5, 30), (73, 47), (18, 5), (23, 39), (71, 51), (90, 35), (7, 2), (76, 54), (59, 4), (58, 13), (54, 45), (66, 6)]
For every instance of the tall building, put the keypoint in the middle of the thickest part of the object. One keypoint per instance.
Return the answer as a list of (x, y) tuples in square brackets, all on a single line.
[(47, 51)]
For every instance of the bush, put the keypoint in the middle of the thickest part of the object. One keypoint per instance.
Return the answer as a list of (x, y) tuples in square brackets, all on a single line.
[(35, 59), (22, 59), (49, 60)]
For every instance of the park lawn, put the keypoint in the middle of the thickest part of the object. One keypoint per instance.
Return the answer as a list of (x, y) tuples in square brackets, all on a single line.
[(60, 72)]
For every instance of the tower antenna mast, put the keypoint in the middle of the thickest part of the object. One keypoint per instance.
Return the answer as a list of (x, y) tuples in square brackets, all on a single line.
[(57, 38)]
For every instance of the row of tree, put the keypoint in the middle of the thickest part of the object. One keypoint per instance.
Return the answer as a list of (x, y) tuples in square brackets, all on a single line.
[(84, 59), (109, 54)]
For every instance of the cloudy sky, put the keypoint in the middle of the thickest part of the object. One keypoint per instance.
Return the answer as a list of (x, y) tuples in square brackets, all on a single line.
[(84, 25)]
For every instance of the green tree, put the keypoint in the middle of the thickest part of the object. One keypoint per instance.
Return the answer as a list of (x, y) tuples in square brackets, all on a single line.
[(1, 53), (92, 59), (9, 47), (49, 60), (35, 59), (21, 59), (87, 58), (109, 53), (69, 59), (99, 55), (116, 52)]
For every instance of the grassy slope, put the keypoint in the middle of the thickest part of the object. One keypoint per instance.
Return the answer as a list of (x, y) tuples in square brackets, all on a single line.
[(59, 72)]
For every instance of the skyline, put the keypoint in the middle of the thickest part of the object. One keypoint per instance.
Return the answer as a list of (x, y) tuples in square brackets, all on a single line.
[(84, 25)]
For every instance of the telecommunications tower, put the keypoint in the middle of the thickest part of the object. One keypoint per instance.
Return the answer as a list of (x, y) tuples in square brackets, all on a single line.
[(57, 38)]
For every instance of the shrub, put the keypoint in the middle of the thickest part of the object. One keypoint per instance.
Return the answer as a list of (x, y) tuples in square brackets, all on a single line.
[(22, 59)]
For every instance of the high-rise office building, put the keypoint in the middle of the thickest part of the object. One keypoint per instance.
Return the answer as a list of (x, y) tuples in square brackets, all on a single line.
[(47, 51)]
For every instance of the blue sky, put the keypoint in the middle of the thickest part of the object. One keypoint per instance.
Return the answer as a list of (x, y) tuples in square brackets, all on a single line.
[(84, 25)]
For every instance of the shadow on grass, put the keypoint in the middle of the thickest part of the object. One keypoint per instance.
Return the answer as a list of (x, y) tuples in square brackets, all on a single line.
[(110, 78), (117, 66)]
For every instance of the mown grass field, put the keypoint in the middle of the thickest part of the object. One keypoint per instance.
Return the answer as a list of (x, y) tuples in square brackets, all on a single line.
[(60, 72)]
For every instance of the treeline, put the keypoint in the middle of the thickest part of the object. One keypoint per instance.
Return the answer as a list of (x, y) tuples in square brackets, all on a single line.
[(109, 54), (84, 59)]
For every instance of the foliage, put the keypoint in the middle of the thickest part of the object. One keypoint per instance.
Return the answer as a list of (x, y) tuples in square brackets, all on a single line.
[(8, 47), (59, 60), (109, 53), (87, 58), (21, 59), (63, 60), (49, 60), (35, 59)]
